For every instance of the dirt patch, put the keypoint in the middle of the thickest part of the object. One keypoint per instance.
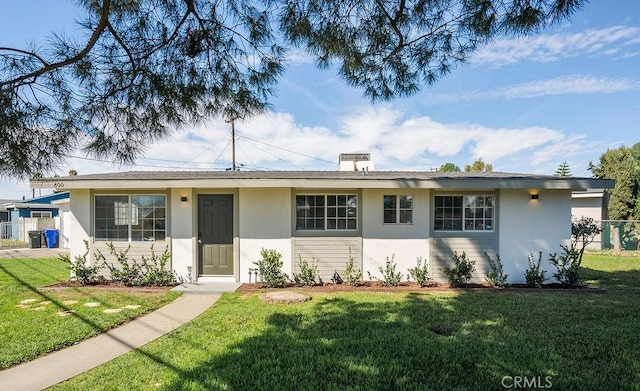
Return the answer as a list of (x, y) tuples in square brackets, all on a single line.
[(109, 285)]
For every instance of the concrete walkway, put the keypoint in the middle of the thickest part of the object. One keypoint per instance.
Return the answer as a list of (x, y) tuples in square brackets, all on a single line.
[(67, 363)]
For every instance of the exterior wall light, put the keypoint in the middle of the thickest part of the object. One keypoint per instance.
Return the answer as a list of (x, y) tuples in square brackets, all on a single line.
[(535, 196), (183, 198)]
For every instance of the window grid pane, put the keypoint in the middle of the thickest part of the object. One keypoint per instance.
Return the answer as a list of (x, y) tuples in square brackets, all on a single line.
[(397, 209), (476, 215), (130, 218), (326, 212)]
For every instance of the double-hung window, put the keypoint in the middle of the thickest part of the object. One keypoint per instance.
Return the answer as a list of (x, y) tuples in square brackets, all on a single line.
[(134, 217), (464, 213), (327, 212), (397, 209)]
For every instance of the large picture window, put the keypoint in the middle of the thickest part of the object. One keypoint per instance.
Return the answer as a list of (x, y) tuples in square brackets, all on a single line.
[(133, 218), (464, 213), (326, 212), (398, 209)]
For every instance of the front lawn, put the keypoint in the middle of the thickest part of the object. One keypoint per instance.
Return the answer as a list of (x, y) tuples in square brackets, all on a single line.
[(427, 340), (35, 321)]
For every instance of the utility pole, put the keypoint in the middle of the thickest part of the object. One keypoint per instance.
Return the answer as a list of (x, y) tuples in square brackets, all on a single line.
[(232, 121)]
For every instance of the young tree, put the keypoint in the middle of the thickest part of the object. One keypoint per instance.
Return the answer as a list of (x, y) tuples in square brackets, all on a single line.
[(563, 169), (449, 167), (148, 67), (620, 165), (478, 166)]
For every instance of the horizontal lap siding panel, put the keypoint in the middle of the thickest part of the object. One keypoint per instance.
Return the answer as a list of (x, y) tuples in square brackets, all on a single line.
[(332, 254), (136, 252), (442, 254)]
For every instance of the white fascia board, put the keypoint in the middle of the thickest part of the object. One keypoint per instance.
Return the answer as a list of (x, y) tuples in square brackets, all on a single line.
[(463, 183)]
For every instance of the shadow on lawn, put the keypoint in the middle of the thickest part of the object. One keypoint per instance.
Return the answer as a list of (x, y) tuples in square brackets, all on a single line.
[(616, 280), (93, 325), (471, 340)]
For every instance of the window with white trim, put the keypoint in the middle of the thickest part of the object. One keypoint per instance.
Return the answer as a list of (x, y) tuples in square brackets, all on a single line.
[(41, 214), (464, 213), (397, 209), (327, 212), (135, 217)]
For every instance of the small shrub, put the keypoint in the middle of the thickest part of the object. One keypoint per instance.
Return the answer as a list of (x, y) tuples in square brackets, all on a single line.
[(129, 273), (308, 272), (567, 266), (420, 273), (460, 273), (495, 276), (270, 269), (85, 275), (155, 272), (352, 275), (534, 276), (389, 275)]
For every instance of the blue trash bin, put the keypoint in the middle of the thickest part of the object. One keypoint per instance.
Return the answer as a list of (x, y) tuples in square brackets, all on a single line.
[(52, 237)]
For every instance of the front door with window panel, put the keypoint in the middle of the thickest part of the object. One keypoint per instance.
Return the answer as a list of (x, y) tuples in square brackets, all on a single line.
[(215, 234)]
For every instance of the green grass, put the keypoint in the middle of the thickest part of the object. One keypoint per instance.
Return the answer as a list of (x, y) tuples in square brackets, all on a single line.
[(29, 330), (427, 340)]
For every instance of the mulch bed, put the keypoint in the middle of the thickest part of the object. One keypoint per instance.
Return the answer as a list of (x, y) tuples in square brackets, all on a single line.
[(108, 285), (375, 286)]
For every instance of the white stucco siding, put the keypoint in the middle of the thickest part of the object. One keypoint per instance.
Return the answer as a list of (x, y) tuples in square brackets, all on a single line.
[(372, 211), (79, 222), (265, 222), (404, 242), (529, 226), (181, 230)]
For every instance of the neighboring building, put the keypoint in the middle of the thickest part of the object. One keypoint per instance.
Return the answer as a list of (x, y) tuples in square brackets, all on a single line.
[(40, 207), (590, 203), (216, 223), (4, 212), (35, 214)]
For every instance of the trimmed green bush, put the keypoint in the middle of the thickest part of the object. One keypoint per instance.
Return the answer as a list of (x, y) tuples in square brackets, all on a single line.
[(420, 273), (534, 276), (495, 275), (270, 269), (460, 273)]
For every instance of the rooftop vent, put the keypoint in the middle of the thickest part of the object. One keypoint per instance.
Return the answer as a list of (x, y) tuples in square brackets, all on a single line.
[(355, 162)]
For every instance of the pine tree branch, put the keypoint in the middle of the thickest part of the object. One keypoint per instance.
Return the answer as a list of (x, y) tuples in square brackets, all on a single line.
[(102, 25)]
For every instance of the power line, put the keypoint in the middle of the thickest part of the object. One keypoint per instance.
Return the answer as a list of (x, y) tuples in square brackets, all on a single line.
[(267, 152), (136, 164), (288, 150)]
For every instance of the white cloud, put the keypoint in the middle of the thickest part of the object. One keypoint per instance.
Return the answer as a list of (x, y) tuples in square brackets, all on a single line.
[(397, 142), (553, 47), (276, 141), (571, 84)]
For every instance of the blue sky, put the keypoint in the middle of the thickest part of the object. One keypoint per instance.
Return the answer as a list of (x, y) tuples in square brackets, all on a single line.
[(523, 105)]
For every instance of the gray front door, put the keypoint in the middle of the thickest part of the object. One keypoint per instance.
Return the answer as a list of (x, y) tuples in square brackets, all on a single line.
[(215, 234)]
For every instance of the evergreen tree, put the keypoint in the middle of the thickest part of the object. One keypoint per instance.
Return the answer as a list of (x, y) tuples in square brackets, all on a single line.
[(619, 164), (148, 67), (563, 169)]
